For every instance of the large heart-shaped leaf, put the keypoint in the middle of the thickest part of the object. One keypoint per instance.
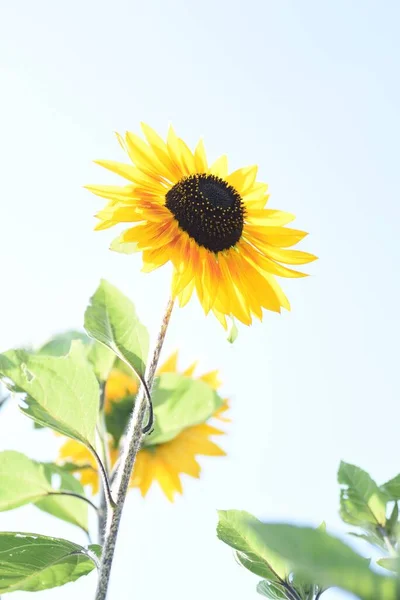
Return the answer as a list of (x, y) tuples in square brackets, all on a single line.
[(70, 509), (30, 562), (316, 556), (180, 402), (111, 319), (234, 529), (61, 392), (22, 480)]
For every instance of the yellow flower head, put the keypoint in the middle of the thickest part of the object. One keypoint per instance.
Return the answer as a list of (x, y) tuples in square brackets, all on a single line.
[(163, 462), (212, 226)]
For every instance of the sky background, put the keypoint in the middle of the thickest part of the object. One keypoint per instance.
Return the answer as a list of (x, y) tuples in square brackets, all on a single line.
[(309, 91)]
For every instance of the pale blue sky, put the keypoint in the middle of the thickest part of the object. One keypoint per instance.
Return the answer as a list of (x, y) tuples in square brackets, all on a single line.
[(308, 90)]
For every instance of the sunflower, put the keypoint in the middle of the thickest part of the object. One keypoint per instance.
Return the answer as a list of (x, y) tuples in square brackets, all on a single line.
[(212, 226), (163, 462)]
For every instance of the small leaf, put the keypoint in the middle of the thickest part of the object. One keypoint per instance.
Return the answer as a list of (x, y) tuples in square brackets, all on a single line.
[(392, 488), (317, 556), (180, 402), (22, 480), (391, 564), (234, 528), (271, 590), (111, 319), (361, 501), (70, 509), (233, 332), (60, 344), (30, 562), (62, 392), (102, 360)]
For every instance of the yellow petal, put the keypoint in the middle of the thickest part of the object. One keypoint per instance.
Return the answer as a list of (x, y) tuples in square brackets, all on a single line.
[(268, 217), (170, 365), (174, 151), (143, 156), (190, 370), (267, 264), (115, 193), (200, 158), (127, 171), (283, 237), (186, 294), (212, 379), (161, 151), (243, 179), (290, 257), (187, 157), (220, 167)]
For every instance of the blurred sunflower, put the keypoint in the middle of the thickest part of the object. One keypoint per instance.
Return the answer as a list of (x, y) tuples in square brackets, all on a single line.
[(163, 462), (212, 226)]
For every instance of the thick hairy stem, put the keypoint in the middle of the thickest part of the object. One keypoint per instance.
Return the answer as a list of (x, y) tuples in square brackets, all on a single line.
[(105, 455), (134, 436)]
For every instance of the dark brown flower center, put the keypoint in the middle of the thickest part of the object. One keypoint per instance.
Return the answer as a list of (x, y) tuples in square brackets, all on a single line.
[(208, 209)]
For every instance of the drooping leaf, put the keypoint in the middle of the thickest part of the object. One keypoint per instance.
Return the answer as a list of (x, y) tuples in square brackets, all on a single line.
[(234, 528), (272, 590), (61, 392), (22, 480), (392, 488), (111, 319), (30, 562), (317, 556), (180, 402), (60, 344), (361, 501), (70, 509)]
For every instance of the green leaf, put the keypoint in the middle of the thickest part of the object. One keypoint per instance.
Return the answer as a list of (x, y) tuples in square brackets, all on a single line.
[(118, 417), (101, 359), (392, 522), (371, 538), (233, 332), (392, 488), (234, 528), (180, 402), (361, 501), (30, 562), (62, 392), (60, 344), (271, 590), (67, 508), (391, 564), (317, 556), (22, 480), (111, 319)]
